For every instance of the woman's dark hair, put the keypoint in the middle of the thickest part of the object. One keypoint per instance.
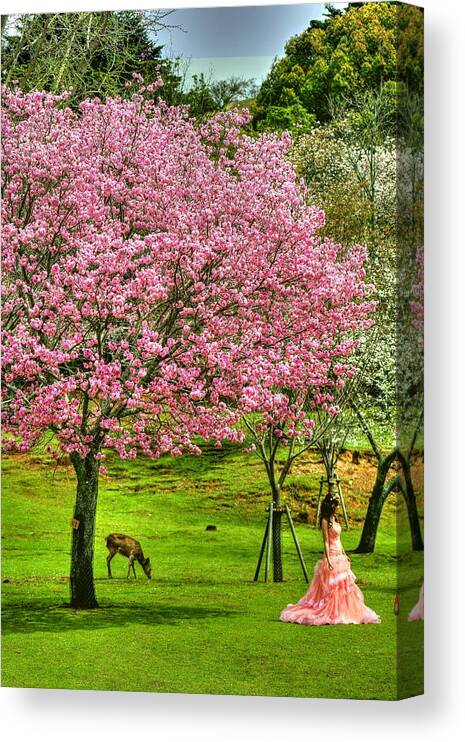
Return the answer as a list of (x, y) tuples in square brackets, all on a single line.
[(328, 506)]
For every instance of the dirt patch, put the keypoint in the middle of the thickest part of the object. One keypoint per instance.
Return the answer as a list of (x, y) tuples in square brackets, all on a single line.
[(357, 472)]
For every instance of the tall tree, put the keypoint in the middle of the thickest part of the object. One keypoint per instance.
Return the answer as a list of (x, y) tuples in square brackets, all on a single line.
[(365, 169), (303, 380), (89, 54), (153, 273), (206, 96), (348, 53)]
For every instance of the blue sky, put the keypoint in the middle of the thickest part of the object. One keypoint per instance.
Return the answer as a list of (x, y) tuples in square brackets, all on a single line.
[(221, 42)]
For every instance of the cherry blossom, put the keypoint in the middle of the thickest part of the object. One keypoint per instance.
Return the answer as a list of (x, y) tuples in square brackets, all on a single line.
[(160, 280)]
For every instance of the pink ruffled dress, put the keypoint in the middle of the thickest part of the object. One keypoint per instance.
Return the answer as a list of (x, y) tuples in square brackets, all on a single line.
[(418, 611), (333, 597)]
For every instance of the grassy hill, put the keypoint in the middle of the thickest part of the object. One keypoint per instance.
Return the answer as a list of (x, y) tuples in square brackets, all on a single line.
[(201, 625)]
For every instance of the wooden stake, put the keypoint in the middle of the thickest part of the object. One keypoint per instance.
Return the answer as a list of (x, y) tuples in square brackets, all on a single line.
[(318, 507), (296, 542), (269, 536), (341, 498), (265, 536)]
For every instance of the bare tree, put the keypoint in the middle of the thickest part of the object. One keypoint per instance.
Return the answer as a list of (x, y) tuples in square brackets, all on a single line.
[(88, 53)]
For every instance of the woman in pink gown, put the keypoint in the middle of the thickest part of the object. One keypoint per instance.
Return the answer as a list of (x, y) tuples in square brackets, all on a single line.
[(418, 611), (333, 597)]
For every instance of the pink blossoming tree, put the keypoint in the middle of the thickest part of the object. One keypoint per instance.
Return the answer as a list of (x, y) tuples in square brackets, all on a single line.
[(289, 395), (159, 280)]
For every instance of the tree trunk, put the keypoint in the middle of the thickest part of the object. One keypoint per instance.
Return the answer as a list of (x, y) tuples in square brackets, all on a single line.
[(375, 506), (378, 497), (411, 502), (82, 550)]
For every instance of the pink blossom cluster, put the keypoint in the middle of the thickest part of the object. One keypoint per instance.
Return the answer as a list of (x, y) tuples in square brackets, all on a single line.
[(160, 280)]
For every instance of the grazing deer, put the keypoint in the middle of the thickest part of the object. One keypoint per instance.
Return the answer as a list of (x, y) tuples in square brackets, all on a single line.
[(118, 543)]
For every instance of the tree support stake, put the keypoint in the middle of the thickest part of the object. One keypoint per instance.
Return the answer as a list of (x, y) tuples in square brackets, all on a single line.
[(275, 512)]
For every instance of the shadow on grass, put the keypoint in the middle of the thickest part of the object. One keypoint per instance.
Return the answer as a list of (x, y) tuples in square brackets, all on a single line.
[(187, 465), (39, 616)]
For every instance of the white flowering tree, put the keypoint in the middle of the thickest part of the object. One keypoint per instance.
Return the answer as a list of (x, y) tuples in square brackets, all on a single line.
[(368, 177)]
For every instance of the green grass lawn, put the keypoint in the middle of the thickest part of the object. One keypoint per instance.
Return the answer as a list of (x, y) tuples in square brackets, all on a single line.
[(201, 625)]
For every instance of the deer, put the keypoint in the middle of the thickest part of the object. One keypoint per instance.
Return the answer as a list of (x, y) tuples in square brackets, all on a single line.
[(118, 543)]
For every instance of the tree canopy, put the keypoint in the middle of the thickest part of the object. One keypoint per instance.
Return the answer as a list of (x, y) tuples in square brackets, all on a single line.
[(88, 54), (206, 97), (160, 278), (346, 54)]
